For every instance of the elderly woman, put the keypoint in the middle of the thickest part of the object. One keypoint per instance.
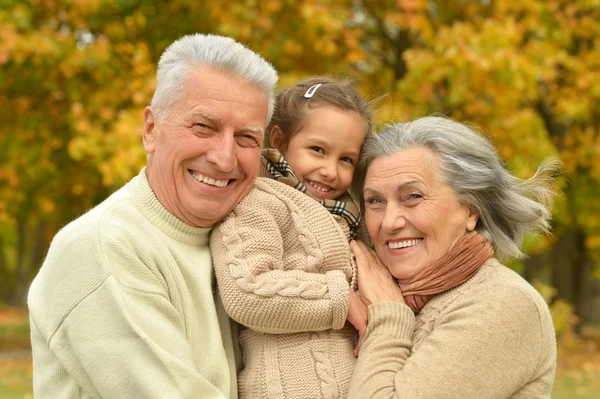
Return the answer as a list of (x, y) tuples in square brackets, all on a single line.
[(445, 318)]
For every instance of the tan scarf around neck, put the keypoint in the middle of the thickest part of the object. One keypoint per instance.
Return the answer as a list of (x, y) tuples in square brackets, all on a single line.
[(457, 266)]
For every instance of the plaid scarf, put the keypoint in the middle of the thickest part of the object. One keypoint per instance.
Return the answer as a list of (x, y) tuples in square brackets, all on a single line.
[(280, 170)]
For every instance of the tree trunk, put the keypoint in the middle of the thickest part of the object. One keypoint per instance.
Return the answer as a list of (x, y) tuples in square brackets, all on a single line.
[(21, 264), (4, 275), (30, 252), (572, 275)]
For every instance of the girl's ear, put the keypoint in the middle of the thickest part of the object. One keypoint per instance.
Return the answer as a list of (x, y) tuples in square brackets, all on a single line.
[(277, 139)]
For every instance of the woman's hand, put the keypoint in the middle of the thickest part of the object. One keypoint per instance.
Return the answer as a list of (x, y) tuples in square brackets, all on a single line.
[(375, 283), (357, 315)]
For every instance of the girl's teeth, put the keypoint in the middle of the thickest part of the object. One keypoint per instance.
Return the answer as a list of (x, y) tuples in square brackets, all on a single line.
[(323, 189)]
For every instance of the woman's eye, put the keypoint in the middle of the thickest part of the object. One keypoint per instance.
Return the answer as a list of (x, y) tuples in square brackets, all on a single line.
[(348, 160), (317, 149), (414, 196), (373, 201)]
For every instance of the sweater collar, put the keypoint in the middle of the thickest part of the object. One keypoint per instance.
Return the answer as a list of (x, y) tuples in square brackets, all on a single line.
[(158, 215)]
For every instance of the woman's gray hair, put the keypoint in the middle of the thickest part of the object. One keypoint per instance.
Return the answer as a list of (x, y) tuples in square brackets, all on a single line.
[(216, 52), (508, 207)]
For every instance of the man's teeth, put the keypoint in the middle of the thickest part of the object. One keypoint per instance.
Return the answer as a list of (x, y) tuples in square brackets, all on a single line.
[(209, 181), (322, 189), (404, 244)]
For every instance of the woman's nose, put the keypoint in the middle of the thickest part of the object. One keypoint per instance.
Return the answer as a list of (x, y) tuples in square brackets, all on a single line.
[(393, 219)]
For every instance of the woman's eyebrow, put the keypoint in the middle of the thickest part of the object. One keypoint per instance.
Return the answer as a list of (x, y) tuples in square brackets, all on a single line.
[(408, 183), (399, 188)]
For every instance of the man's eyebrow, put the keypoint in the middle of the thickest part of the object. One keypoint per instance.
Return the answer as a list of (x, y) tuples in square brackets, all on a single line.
[(207, 116), (217, 120), (252, 129)]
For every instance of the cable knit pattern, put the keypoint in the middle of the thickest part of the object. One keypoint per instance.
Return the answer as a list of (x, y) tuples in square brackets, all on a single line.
[(490, 337), (284, 269)]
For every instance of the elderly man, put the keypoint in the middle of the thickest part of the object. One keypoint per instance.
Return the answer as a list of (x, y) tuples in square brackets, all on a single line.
[(125, 304)]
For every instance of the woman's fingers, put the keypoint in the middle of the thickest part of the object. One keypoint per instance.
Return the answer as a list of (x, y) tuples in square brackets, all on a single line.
[(375, 282), (363, 254), (357, 315)]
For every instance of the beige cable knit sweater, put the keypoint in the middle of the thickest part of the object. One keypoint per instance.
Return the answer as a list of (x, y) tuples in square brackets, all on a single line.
[(490, 337), (284, 269)]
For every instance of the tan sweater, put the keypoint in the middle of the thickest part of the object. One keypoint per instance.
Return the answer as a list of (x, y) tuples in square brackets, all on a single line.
[(491, 337), (283, 268), (124, 306)]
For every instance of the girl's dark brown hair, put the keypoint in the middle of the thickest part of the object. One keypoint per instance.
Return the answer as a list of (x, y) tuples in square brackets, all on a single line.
[(291, 105)]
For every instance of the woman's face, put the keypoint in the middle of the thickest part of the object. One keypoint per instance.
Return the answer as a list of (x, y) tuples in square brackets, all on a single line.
[(412, 217)]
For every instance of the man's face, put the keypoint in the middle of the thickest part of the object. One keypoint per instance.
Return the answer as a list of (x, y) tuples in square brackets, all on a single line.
[(205, 155)]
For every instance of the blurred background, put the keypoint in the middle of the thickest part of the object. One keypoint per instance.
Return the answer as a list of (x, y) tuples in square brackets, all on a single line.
[(75, 76)]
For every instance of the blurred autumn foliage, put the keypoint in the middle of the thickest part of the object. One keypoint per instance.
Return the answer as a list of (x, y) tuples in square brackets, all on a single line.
[(75, 76)]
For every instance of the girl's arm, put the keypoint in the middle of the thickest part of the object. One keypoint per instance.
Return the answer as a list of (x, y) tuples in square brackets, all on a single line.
[(271, 275)]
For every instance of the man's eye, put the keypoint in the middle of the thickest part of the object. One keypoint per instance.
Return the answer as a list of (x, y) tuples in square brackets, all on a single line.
[(248, 140), (317, 149)]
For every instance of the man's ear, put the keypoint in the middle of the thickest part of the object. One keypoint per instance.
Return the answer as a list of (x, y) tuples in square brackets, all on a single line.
[(149, 131), (277, 139), (472, 218)]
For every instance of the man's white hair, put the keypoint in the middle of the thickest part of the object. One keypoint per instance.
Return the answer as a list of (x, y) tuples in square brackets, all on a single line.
[(212, 51)]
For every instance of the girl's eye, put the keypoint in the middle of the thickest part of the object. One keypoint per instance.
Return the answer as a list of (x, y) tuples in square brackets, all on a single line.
[(348, 160), (317, 149)]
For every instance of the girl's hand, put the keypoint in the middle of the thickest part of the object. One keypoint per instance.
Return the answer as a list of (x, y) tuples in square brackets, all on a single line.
[(357, 315), (375, 283)]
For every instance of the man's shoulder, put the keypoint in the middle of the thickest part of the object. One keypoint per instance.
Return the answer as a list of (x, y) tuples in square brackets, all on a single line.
[(88, 228), (82, 254)]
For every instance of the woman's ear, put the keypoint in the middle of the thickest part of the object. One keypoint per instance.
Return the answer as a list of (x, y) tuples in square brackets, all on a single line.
[(472, 218), (277, 139)]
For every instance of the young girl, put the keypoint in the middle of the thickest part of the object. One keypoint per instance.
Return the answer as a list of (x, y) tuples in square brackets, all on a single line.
[(282, 259)]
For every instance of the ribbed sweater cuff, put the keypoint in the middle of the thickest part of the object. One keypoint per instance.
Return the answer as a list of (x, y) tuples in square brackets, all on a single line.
[(339, 291), (392, 319)]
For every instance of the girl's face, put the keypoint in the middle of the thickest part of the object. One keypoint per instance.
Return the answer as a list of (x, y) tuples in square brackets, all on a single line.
[(324, 152)]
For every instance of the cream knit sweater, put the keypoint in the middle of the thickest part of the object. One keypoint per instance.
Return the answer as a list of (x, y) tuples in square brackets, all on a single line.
[(491, 337), (125, 307), (283, 268)]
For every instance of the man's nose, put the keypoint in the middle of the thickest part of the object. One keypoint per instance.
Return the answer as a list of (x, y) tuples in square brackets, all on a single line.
[(223, 152)]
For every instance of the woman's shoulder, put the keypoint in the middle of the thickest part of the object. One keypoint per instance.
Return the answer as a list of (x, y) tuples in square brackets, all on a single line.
[(496, 288), (495, 274)]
